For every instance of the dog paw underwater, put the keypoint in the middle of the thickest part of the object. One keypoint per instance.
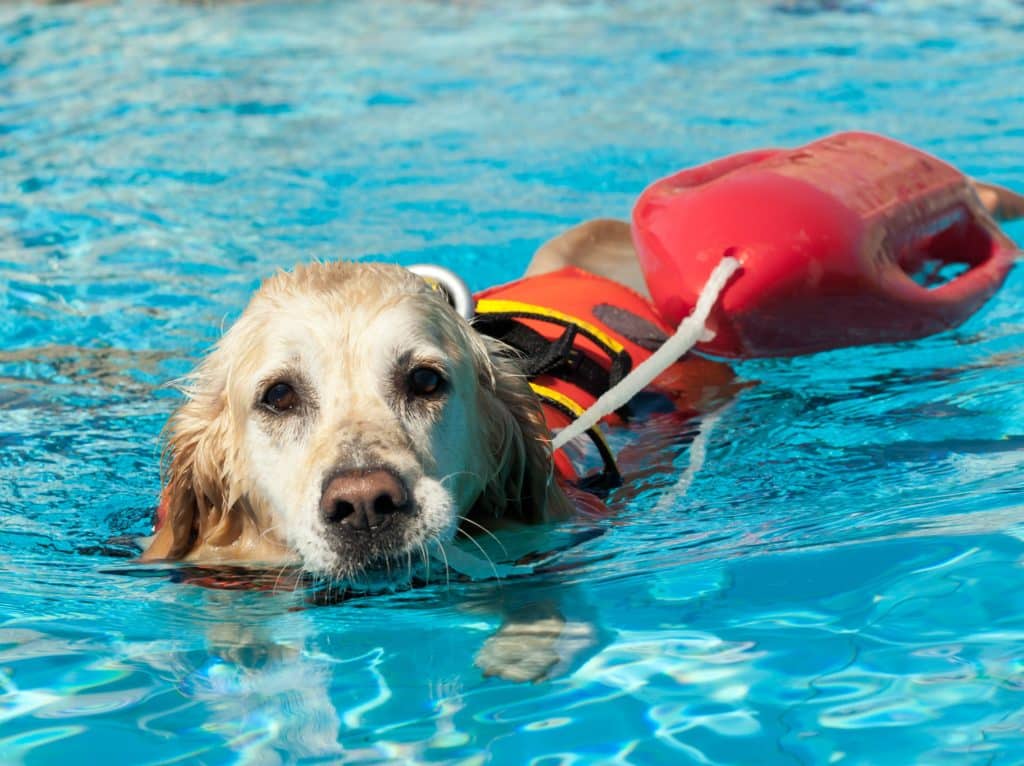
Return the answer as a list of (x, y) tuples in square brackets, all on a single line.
[(350, 426)]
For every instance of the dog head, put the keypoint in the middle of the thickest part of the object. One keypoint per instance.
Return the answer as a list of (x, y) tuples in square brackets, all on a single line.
[(348, 421)]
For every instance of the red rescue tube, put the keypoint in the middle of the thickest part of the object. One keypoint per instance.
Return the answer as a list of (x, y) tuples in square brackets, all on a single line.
[(828, 236)]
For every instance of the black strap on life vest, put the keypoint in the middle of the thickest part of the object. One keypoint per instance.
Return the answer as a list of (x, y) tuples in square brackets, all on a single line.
[(561, 359), (608, 478), (558, 358)]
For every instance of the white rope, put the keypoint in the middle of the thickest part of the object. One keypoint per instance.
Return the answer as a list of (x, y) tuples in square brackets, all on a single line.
[(691, 330), (698, 452)]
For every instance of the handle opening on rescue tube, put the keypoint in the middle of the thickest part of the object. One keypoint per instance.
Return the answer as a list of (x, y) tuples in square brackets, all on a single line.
[(956, 243)]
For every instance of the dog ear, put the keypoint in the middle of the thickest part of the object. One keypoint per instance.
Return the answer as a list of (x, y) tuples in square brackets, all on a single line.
[(521, 481), (197, 503)]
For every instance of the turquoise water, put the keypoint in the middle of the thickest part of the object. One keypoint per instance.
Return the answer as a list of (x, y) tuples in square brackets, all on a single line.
[(842, 580)]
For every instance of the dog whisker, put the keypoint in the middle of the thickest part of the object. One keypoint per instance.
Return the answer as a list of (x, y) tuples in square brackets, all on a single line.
[(444, 556), (486, 531), (280, 574), (426, 559), (483, 553), (454, 474), (268, 530)]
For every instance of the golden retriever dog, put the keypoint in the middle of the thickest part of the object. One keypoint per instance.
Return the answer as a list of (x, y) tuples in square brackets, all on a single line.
[(351, 423)]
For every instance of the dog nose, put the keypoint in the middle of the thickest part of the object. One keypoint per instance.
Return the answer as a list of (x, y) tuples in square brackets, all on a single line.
[(363, 500)]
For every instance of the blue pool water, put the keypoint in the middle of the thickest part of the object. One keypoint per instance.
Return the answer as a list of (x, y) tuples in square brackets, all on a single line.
[(842, 582)]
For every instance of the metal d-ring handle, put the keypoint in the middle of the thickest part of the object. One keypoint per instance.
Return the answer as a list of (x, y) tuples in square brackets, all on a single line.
[(455, 290)]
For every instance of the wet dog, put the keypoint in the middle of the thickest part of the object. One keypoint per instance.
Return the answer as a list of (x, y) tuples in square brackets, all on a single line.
[(350, 423)]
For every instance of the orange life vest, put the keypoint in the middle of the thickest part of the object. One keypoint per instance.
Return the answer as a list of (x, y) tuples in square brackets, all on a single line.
[(580, 334)]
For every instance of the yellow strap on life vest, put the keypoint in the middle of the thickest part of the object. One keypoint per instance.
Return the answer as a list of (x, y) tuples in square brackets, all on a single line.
[(549, 393), (531, 311), (617, 355), (557, 397)]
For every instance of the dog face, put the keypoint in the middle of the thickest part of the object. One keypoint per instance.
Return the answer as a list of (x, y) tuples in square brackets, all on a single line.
[(349, 421)]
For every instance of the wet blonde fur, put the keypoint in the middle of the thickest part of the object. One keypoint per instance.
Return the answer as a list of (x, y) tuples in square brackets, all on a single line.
[(339, 326)]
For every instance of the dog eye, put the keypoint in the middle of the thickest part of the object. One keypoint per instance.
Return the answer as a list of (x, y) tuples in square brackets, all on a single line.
[(280, 397), (425, 381)]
